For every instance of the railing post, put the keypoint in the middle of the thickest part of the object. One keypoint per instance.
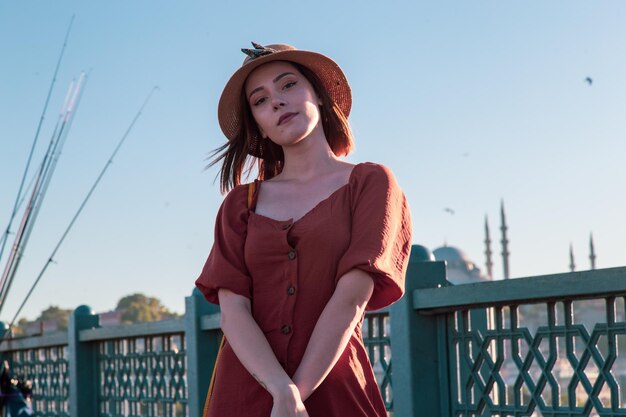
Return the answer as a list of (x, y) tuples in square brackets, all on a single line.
[(202, 347), (82, 364), (417, 372)]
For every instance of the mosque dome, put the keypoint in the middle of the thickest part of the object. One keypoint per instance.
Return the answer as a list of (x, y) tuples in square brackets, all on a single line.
[(460, 269)]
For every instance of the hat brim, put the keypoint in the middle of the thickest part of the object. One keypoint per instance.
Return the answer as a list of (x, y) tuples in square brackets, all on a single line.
[(332, 77)]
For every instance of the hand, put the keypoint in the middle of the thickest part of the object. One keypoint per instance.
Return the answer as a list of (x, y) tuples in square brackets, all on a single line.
[(287, 403)]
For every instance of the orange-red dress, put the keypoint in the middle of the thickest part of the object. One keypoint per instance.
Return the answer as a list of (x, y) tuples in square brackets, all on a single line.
[(290, 269)]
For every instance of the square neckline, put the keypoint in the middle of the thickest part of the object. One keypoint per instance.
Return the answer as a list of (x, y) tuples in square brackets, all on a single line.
[(291, 221)]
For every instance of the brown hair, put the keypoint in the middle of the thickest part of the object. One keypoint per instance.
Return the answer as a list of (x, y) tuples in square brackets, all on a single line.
[(270, 157)]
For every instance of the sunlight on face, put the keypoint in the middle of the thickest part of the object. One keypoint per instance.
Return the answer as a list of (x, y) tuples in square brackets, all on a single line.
[(283, 103)]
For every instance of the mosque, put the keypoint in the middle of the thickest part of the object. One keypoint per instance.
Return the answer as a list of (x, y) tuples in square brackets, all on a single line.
[(461, 270)]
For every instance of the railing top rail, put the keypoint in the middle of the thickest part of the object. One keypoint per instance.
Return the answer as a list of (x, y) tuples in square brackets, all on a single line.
[(133, 330), (34, 342), (210, 321), (572, 285)]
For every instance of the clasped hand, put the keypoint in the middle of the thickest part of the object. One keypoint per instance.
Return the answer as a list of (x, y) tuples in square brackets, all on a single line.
[(288, 403)]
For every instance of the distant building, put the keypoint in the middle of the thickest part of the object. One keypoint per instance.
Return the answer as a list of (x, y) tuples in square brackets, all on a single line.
[(460, 269), (588, 313)]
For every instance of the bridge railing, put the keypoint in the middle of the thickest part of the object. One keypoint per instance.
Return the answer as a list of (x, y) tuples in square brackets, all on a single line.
[(146, 369), (47, 358), (540, 346)]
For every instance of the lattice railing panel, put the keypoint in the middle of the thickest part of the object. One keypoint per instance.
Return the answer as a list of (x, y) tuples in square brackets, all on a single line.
[(377, 342), (143, 377), (47, 369), (554, 359)]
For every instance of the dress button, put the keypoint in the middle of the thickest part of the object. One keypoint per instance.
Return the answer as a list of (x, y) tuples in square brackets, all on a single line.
[(291, 290), (286, 329), (292, 254)]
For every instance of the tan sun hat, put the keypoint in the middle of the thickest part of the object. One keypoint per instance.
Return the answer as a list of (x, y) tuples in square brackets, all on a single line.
[(329, 73)]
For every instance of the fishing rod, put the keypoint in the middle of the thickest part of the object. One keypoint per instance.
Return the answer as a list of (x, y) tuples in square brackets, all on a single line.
[(78, 212), (9, 270), (68, 118), (32, 148), (41, 185), (52, 137), (11, 264)]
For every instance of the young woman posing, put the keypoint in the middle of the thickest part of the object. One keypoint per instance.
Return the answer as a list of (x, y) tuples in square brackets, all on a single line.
[(303, 251)]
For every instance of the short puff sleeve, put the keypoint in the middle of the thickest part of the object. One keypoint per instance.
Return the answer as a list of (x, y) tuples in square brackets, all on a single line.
[(225, 266), (380, 241)]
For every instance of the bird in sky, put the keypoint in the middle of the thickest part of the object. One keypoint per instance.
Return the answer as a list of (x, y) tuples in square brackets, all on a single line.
[(589, 80), (449, 210)]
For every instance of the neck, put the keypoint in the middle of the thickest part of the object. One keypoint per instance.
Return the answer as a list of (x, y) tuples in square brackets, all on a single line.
[(308, 158)]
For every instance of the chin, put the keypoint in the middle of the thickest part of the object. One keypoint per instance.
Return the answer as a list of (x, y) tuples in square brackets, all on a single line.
[(293, 138)]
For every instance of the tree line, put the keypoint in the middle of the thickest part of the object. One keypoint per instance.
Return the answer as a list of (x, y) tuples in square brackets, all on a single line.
[(134, 308)]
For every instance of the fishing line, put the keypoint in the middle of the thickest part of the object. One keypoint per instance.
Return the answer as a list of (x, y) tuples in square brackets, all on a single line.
[(32, 149), (80, 209), (60, 120), (42, 181)]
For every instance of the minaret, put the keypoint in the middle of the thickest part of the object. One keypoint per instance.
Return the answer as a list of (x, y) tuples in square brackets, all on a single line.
[(592, 252), (572, 265), (504, 241), (488, 252)]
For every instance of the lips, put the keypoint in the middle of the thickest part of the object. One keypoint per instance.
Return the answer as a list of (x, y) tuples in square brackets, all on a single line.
[(285, 118)]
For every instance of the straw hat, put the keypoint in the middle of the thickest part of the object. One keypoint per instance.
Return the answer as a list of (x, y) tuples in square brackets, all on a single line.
[(329, 73)]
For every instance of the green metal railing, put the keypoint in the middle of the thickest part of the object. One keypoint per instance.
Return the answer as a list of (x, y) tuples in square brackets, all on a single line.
[(137, 370), (376, 337), (45, 363), (539, 346), (142, 376)]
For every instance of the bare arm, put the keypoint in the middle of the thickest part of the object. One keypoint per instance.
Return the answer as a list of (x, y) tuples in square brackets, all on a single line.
[(256, 355), (249, 342), (333, 330)]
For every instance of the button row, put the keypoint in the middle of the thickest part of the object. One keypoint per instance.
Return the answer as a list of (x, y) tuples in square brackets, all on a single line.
[(286, 329)]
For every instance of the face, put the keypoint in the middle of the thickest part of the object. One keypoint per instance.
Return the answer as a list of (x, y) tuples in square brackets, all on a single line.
[(283, 103)]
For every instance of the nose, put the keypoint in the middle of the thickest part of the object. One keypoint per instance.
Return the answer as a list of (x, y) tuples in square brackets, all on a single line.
[(277, 102)]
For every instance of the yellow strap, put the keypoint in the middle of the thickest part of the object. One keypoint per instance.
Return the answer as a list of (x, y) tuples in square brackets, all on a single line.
[(209, 395), (251, 187)]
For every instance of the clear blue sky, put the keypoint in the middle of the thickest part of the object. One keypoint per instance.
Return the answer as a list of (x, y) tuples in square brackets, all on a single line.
[(468, 102)]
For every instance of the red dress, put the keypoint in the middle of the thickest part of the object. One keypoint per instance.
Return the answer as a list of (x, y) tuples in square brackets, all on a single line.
[(290, 269)]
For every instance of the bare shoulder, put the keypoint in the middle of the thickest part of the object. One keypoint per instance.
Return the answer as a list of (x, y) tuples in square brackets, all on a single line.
[(343, 165), (344, 171)]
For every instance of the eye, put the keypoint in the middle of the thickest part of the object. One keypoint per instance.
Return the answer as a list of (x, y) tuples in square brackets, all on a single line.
[(259, 101), (289, 85)]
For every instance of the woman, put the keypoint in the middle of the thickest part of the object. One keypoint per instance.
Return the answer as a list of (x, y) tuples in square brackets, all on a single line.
[(302, 253)]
